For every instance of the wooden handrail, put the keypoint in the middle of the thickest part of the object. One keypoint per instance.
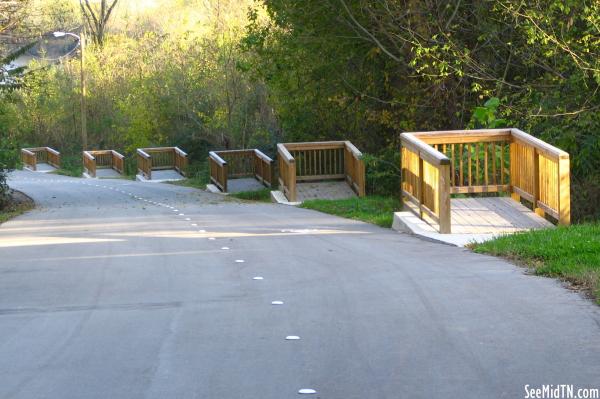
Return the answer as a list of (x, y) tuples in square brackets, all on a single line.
[(426, 180), (354, 169), (484, 160), (144, 163), (287, 172), (283, 151), (143, 153), (541, 146), (428, 153), (29, 158), (218, 170), (217, 158)]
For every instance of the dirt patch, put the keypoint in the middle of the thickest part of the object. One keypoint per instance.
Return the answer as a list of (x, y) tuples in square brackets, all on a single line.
[(18, 203)]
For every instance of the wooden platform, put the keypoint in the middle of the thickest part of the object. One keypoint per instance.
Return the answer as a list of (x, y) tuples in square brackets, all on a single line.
[(490, 215), (324, 190)]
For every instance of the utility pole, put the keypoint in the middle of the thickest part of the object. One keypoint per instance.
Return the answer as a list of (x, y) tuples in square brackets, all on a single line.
[(84, 137)]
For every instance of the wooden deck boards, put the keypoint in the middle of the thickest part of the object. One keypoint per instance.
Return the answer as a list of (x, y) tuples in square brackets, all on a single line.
[(491, 215)]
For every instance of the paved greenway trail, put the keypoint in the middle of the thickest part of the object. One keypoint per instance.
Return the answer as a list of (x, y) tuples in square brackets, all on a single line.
[(112, 289)]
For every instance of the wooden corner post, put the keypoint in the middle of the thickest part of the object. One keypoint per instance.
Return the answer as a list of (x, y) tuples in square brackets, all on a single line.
[(444, 198), (564, 191)]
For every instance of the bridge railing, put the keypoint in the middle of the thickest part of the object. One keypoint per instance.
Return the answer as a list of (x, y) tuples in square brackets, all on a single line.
[(104, 159), (438, 164), (32, 156), (228, 164), (159, 158), (320, 161)]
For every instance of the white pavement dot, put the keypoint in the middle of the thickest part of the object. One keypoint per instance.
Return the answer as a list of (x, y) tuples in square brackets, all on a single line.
[(258, 278), (307, 391), (175, 210), (211, 238), (201, 231), (239, 261), (277, 303), (182, 214), (225, 248), (195, 224), (292, 338), (188, 219)]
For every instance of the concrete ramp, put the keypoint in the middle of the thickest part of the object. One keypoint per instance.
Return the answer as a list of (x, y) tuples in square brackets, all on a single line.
[(105, 174), (473, 220), (159, 176), (42, 168), (329, 190)]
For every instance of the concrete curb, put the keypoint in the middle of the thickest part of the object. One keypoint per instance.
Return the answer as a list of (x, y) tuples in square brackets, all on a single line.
[(408, 222), (279, 198)]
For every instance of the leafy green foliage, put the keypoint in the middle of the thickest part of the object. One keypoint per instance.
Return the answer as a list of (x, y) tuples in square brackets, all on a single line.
[(171, 82), (485, 117), (368, 70)]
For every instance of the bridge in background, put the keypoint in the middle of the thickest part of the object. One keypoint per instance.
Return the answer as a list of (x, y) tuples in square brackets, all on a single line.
[(103, 163), (40, 159), (161, 164)]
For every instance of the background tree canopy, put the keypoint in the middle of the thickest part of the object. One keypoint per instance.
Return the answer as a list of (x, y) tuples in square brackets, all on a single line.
[(204, 74)]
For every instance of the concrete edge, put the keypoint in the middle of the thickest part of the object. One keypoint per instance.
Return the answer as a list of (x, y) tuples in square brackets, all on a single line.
[(408, 222), (279, 198), (39, 171), (142, 179), (211, 188)]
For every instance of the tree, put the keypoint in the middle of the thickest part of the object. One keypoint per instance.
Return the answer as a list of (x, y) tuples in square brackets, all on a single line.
[(97, 18), (11, 13)]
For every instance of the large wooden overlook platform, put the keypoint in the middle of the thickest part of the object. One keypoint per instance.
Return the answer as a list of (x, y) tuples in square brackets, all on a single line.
[(438, 165)]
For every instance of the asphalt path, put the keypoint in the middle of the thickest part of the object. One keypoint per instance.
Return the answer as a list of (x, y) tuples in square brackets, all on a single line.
[(118, 289)]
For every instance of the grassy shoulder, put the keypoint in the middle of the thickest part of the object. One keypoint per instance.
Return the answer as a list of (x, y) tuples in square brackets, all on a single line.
[(197, 177), (263, 195), (371, 209), (17, 204), (570, 253)]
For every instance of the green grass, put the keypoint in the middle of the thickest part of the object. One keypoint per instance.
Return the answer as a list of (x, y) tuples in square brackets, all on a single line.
[(263, 195), (372, 209), (198, 176), (570, 253), (70, 165)]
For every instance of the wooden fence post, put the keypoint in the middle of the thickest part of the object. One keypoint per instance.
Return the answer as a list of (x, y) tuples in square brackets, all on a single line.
[(564, 191), (444, 198)]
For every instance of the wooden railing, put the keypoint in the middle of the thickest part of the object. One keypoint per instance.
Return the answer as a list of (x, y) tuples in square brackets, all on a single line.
[(32, 156), (320, 161), (224, 165), (106, 159), (158, 158), (438, 164), (144, 163)]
